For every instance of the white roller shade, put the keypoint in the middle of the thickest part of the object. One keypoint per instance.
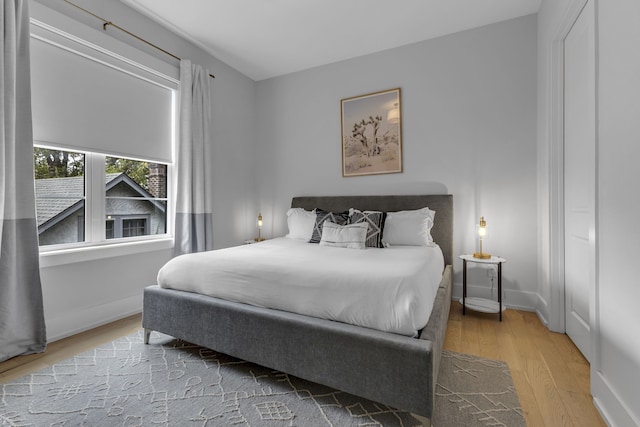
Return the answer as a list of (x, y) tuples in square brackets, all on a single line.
[(82, 101)]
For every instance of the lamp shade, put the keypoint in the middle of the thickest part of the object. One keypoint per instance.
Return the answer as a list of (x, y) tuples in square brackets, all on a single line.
[(482, 227)]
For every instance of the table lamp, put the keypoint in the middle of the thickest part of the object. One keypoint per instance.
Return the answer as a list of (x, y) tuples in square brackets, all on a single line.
[(482, 232), (259, 238)]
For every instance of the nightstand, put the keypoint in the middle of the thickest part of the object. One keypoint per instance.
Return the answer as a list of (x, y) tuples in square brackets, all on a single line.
[(483, 305)]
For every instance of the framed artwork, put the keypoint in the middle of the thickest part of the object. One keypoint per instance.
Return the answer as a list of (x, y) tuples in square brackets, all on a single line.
[(371, 134)]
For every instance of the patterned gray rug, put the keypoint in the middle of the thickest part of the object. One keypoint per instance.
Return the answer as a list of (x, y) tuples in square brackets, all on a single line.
[(173, 383)]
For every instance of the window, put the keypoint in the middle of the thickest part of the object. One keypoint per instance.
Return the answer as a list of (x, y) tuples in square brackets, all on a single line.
[(60, 195), (132, 200), (134, 227), (136, 197), (127, 227), (103, 128)]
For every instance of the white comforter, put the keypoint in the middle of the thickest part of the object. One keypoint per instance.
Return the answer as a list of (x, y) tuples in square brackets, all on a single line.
[(390, 289)]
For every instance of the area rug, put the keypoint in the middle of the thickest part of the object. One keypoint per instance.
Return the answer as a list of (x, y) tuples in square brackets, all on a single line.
[(472, 391), (173, 383)]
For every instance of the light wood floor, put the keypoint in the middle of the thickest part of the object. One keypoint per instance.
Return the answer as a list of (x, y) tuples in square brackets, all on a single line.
[(68, 347), (550, 374)]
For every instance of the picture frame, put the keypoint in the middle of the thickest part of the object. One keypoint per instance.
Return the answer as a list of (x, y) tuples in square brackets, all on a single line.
[(371, 127)]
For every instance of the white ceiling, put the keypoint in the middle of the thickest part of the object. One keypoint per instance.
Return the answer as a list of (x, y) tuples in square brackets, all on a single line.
[(268, 38)]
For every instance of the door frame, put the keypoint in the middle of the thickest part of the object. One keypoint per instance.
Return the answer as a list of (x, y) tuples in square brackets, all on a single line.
[(557, 314)]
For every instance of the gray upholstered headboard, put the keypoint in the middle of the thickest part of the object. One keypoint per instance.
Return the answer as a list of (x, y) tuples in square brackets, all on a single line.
[(442, 204)]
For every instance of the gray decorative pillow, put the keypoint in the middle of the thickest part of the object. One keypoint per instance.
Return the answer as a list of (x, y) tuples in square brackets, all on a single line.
[(340, 218), (375, 220)]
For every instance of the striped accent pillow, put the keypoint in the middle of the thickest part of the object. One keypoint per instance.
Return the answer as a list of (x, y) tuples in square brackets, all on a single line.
[(375, 220), (340, 218), (350, 236)]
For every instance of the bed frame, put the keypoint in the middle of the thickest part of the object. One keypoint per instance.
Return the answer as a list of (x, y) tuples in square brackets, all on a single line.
[(392, 369)]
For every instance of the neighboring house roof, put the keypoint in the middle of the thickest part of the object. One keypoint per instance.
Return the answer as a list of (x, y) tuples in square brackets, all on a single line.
[(58, 198)]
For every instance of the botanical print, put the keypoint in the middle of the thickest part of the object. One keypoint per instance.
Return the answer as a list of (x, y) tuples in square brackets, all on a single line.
[(371, 134)]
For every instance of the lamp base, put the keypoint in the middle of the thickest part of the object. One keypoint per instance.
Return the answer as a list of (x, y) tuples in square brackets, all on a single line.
[(259, 239), (481, 255)]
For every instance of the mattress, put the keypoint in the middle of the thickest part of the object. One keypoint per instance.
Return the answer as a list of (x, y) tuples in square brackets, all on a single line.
[(390, 289)]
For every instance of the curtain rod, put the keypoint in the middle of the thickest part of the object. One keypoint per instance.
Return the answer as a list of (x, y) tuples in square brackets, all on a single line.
[(106, 23)]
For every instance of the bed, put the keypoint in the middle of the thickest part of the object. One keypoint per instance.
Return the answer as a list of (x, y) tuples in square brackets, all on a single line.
[(390, 368)]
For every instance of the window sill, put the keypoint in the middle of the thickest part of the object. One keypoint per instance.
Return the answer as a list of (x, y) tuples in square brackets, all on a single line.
[(91, 253)]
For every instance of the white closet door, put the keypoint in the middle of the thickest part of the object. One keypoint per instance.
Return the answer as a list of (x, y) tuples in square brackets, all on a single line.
[(579, 178)]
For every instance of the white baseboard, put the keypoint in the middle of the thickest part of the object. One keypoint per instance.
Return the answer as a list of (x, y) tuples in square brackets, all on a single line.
[(85, 318), (542, 310), (611, 408), (542, 319)]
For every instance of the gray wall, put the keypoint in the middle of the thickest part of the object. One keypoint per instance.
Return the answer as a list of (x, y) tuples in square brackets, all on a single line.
[(65, 231), (618, 204), (469, 129)]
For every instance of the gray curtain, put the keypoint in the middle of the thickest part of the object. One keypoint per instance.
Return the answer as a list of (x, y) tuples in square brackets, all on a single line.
[(194, 218), (22, 329)]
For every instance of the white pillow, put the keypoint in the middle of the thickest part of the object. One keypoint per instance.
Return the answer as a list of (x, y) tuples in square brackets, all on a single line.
[(300, 223), (409, 228), (352, 236)]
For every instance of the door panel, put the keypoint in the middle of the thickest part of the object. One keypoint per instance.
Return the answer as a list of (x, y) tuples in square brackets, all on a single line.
[(579, 179)]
